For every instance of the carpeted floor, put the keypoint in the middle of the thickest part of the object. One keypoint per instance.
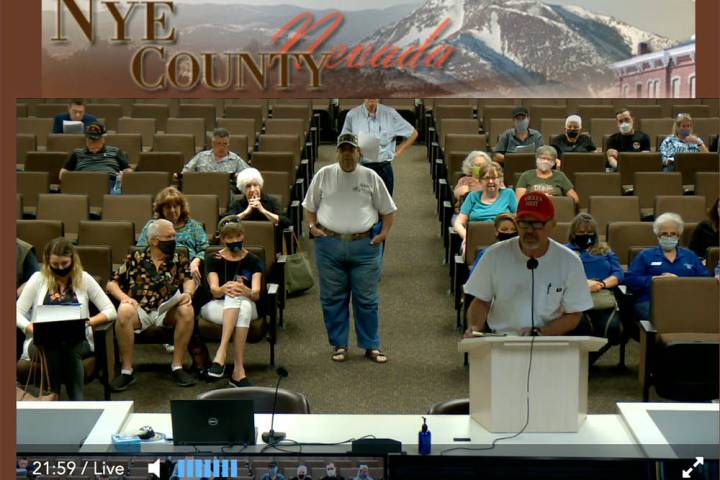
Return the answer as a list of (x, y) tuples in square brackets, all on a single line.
[(417, 331)]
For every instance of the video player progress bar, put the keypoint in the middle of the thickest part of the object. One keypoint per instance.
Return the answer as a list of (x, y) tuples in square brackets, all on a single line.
[(192, 468)]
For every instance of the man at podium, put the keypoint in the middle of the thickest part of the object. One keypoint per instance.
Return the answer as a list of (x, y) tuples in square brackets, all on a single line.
[(528, 277)]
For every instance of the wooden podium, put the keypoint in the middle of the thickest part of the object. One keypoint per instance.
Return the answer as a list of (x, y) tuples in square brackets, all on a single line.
[(558, 382)]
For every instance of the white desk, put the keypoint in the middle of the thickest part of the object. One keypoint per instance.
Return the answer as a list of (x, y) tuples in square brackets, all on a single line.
[(647, 433)]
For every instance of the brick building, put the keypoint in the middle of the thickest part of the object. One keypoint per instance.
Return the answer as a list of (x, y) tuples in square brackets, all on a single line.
[(665, 74)]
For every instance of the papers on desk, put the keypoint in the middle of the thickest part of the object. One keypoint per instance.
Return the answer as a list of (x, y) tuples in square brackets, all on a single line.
[(72, 126), (369, 146), (170, 302)]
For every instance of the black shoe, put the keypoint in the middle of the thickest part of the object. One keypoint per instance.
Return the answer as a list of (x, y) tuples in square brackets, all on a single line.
[(183, 378), (243, 382), (216, 370), (122, 382)]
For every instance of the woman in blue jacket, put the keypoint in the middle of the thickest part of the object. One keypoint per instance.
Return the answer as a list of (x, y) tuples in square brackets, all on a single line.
[(665, 260)]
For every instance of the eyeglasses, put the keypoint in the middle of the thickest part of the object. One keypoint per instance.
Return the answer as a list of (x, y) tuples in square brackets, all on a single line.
[(535, 224)]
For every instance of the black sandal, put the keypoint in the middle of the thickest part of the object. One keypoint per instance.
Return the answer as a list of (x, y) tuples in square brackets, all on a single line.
[(340, 354)]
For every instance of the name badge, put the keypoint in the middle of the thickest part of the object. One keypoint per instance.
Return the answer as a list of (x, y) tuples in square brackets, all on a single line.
[(656, 264)]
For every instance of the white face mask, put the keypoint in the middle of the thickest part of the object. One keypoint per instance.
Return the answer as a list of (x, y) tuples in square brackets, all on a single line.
[(330, 472), (544, 165)]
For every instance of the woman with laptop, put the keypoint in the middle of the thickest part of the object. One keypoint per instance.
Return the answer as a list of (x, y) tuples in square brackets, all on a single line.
[(62, 282)]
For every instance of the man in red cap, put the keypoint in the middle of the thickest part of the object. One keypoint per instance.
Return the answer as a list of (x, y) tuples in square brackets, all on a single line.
[(502, 281)]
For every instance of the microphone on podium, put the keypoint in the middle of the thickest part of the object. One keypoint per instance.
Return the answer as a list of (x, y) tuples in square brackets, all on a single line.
[(272, 437), (532, 264)]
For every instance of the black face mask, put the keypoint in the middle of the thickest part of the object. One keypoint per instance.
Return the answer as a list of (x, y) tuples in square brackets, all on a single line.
[(235, 246), (62, 272), (167, 247), (584, 241), (505, 236), (573, 133)]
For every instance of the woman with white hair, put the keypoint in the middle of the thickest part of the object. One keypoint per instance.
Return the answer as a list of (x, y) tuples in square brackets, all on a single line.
[(253, 203), (682, 140), (572, 140), (470, 181), (665, 260)]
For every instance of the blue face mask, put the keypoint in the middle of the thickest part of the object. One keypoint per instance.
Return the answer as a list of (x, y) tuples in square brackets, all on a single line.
[(235, 246), (273, 471), (684, 132), (668, 243), (522, 125)]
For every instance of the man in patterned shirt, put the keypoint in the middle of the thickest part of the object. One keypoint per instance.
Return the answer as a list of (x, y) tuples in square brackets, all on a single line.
[(96, 156), (142, 284), (219, 158)]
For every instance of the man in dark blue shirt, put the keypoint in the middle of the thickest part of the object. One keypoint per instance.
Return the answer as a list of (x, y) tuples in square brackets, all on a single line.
[(76, 113)]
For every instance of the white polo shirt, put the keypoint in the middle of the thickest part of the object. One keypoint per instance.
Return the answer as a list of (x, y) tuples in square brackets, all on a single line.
[(348, 202), (502, 278)]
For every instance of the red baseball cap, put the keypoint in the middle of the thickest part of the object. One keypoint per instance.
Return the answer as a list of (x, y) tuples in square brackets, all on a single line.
[(535, 205)]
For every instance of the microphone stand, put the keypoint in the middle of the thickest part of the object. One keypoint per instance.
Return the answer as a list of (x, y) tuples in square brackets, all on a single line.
[(272, 437)]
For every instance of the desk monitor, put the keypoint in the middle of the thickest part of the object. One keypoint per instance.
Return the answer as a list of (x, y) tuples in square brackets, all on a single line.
[(213, 422)]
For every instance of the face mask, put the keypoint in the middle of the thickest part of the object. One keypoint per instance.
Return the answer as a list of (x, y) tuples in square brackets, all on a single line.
[(505, 236), (301, 475), (273, 471), (522, 125), (684, 132), (235, 246), (584, 241), (363, 475), (626, 127), (330, 472), (573, 133), (668, 243), (62, 272), (544, 165), (167, 247)]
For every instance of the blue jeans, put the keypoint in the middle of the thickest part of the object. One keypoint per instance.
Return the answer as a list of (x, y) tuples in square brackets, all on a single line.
[(349, 269), (642, 310), (385, 170)]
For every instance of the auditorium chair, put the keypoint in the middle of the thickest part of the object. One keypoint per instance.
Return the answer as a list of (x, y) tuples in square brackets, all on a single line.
[(192, 126), (118, 235), (540, 111), (490, 112), (293, 126), (38, 233), (50, 162), (48, 110), (159, 112), (679, 346), (694, 110), (206, 111), (175, 142), (291, 144), (133, 208), (24, 142), (253, 112), (18, 206), (281, 162), (478, 235), (690, 163), (281, 185), (70, 209), (517, 163), (30, 185), (111, 112), (622, 236), (263, 399), (144, 126), (711, 257), (495, 127), (209, 183), (64, 142), (707, 184), (564, 208), (241, 127), (552, 126), (655, 127), (572, 163), (267, 305), (145, 183), (268, 236), (93, 184), (587, 112), (631, 162), (40, 127), (456, 406), (130, 143), (561, 232), (596, 183), (97, 261), (647, 185), (642, 112), (690, 207), (616, 208), (164, 161), (204, 209), (706, 128)]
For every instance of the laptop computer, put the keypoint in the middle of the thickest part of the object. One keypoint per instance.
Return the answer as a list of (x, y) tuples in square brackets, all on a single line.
[(54, 324), (213, 422), (525, 148), (73, 126)]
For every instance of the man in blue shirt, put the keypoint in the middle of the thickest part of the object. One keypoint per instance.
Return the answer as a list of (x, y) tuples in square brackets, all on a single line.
[(76, 113), (385, 124)]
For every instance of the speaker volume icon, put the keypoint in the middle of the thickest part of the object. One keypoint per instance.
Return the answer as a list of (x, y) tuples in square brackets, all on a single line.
[(154, 468), (198, 468)]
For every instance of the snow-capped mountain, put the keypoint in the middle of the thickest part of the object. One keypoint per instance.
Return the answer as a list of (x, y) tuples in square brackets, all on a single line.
[(504, 45)]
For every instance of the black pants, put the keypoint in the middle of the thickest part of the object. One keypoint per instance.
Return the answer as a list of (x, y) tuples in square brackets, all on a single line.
[(65, 365), (385, 170)]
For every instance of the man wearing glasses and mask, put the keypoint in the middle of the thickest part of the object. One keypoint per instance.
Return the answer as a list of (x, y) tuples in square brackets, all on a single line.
[(501, 283)]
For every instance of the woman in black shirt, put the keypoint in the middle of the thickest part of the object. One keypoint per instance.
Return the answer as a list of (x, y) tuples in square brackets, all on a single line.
[(254, 204), (235, 280), (705, 234)]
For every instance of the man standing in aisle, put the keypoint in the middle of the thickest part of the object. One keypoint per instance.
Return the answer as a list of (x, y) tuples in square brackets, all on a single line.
[(343, 203), (385, 124)]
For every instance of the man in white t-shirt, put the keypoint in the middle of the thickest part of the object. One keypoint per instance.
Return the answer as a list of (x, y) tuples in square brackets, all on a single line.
[(343, 203), (501, 282)]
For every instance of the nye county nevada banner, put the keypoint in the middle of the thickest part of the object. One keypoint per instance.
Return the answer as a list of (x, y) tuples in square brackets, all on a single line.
[(401, 48)]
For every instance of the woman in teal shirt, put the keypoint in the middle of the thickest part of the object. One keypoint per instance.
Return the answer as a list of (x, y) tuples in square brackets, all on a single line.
[(487, 203)]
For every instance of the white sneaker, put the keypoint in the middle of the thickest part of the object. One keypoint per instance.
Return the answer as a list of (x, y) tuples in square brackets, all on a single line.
[(169, 348)]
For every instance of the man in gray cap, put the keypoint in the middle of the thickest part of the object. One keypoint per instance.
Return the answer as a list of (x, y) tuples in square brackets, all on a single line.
[(519, 139), (343, 206), (96, 156)]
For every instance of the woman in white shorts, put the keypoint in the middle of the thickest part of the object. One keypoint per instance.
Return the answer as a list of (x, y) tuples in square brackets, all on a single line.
[(235, 279)]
